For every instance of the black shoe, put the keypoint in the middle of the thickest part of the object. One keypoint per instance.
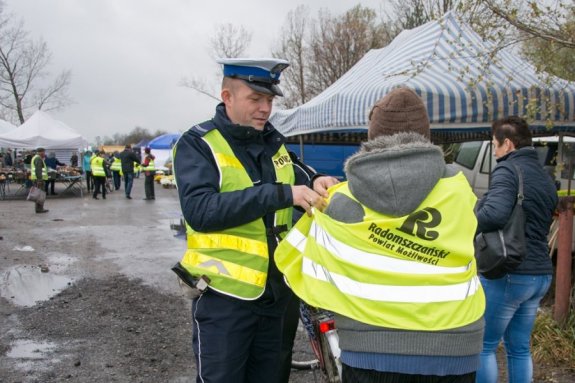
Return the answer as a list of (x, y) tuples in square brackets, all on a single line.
[(54, 193), (128, 197), (104, 197), (95, 197), (42, 211)]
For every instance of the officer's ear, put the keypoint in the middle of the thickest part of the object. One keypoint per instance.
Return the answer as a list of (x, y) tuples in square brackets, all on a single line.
[(226, 95)]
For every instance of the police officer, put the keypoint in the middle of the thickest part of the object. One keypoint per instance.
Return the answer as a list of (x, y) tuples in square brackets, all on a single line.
[(237, 185)]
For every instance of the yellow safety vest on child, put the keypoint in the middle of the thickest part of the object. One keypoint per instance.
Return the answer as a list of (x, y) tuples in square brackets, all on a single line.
[(384, 269)]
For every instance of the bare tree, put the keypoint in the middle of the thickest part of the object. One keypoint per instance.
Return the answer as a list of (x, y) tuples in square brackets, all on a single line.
[(338, 43), (409, 14), (230, 41), (23, 73), (547, 20), (294, 48)]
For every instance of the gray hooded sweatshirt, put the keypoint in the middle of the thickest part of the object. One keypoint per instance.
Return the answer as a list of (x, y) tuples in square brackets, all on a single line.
[(393, 175)]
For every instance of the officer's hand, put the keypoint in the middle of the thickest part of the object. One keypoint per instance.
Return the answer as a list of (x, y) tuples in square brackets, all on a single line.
[(321, 184), (307, 198)]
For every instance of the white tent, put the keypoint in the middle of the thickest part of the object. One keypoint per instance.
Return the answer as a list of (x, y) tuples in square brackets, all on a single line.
[(6, 127), (41, 130), (465, 82)]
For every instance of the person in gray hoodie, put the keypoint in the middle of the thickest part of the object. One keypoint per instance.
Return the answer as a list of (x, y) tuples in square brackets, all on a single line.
[(406, 224)]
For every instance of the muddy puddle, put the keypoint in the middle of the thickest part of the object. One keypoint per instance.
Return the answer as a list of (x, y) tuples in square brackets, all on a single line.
[(27, 285)]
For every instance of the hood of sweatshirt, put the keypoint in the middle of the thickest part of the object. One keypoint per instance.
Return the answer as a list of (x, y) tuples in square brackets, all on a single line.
[(394, 174)]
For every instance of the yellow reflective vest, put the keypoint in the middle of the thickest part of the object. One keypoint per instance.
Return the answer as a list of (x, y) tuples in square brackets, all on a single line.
[(236, 259), (150, 168), (33, 169), (415, 272), (97, 164), (116, 165)]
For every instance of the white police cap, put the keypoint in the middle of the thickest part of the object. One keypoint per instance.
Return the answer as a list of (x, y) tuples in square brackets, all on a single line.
[(262, 75)]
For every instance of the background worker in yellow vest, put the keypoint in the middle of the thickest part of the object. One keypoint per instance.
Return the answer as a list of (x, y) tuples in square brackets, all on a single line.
[(392, 255), (237, 185), (99, 173), (149, 169), (39, 175), (116, 168)]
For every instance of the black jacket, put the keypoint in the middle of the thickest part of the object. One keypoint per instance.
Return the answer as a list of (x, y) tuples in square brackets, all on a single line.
[(128, 158), (205, 209), (540, 201)]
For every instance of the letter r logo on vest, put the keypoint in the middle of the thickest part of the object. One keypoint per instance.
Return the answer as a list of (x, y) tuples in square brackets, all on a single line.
[(419, 223)]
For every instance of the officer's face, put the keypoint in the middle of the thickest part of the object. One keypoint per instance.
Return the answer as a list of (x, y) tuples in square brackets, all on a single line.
[(245, 106)]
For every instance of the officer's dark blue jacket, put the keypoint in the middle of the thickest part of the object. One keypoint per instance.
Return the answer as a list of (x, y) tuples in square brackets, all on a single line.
[(495, 208), (205, 209)]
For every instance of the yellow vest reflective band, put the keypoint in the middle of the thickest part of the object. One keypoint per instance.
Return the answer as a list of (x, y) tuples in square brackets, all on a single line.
[(236, 259), (151, 167), (33, 169), (97, 164), (116, 165), (415, 272)]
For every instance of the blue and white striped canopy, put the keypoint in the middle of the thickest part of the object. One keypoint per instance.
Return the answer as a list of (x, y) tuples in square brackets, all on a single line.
[(465, 82)]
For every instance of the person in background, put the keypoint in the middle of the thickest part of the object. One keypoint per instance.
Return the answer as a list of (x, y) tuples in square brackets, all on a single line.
[(87, 159), (28, 159), (392, 256), (513, 300), (128, 159), (52, 163), (98, 165), (116, 168), (8, 162), (237, 185), (39, 175), (74, 160), (149, 169)]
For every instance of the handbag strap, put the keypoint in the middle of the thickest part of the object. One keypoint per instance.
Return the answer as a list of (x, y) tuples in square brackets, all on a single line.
[(520, 195)]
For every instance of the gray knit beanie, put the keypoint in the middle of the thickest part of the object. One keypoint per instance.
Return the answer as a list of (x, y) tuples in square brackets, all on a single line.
[(401, 110)]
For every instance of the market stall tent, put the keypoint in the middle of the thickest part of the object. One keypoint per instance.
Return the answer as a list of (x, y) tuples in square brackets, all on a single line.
[(465, 82), (165, 141), (41, 130), (162, 148)]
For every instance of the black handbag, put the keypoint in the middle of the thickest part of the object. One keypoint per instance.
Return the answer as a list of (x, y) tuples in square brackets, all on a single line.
[(500, 252)]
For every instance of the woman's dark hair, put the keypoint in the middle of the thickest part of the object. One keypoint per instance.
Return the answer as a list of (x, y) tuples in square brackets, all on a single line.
[(514, 128)]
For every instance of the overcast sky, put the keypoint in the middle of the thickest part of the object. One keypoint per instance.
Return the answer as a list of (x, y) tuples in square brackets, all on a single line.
[(128, 56)]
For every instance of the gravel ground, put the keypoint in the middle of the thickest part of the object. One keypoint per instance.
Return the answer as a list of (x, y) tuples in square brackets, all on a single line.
[(87, 295)]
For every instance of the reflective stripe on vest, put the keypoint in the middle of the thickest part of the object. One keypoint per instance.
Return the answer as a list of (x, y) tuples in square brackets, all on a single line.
[(415, 272), (97, 165), (33, 169), (236, 259), (151, 167)]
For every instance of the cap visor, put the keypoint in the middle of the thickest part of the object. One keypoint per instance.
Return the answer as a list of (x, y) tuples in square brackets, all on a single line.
[(270, 89)]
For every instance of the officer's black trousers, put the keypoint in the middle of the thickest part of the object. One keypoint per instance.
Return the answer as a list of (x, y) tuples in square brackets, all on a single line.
[(232, 344)]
